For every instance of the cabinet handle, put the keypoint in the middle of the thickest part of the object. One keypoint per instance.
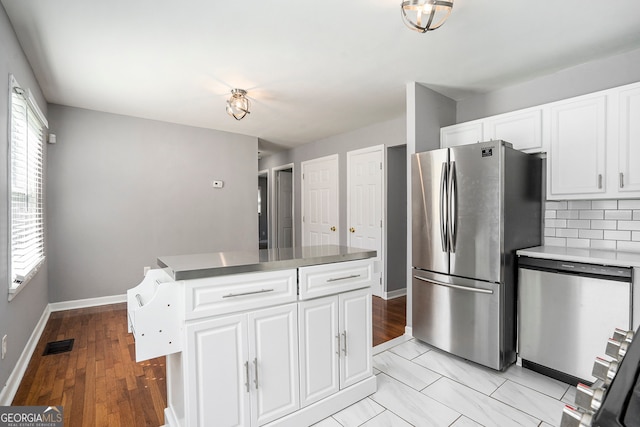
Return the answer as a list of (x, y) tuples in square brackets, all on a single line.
[(344, 350), (246, 370), (621, 180), (353, 276), (261, 291), (599, 180), (255, 362), (338, 344), (139, 299)]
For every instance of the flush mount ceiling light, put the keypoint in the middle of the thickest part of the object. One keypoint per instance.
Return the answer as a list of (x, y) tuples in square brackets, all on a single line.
[(425, 15), (238, 104)]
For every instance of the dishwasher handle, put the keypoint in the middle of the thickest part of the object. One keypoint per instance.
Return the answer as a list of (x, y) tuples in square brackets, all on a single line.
[(606, 272)]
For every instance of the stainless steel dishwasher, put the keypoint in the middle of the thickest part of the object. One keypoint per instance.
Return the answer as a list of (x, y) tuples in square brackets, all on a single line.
[(566, 310)]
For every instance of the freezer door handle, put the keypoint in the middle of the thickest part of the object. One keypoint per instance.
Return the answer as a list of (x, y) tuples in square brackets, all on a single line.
[(461, 288), (453, 208), (443, 207)]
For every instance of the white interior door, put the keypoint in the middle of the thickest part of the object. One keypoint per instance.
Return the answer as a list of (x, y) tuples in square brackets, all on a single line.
[(284, 214), (320, 202), (365, 205)]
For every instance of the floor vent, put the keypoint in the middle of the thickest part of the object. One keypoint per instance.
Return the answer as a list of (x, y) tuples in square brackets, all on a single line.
[(56, 347)]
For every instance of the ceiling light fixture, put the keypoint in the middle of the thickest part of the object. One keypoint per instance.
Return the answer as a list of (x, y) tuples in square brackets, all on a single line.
[(425, 15), (238, 104)]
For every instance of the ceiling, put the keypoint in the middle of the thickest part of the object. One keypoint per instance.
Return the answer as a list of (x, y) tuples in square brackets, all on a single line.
[(311, 69)]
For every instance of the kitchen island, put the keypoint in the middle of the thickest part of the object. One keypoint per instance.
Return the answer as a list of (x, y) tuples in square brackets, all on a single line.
[(276, 337)]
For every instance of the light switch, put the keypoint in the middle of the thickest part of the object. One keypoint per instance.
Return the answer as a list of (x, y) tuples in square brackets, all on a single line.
[(218, 184)]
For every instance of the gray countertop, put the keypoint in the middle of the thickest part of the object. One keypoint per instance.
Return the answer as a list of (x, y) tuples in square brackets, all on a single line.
[(593, 256), (196, 266)]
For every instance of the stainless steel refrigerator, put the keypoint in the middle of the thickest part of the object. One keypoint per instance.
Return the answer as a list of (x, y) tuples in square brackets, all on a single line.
[(473, 206)]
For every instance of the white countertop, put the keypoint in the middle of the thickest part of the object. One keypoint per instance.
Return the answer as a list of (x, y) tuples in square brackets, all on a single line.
[(593, 256)]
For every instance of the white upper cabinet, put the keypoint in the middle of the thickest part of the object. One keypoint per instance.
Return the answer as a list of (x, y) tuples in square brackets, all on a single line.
[(461, 134), (578, 146), (522, 128), (592, 142), (629, 140)]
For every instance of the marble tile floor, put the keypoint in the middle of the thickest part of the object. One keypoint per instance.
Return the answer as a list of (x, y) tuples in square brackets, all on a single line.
[(419, 385)]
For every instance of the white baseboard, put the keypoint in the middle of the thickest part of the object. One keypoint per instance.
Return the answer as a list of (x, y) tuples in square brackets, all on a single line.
[(13, 382), (88, 302), (395, 294), (8, 392), (408, 331)]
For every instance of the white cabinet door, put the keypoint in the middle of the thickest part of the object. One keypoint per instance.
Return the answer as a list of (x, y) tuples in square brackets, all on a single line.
[(319, 349), (355, 336), (461, 134), (335, 341), (217, 373), (629, 140), (523, 129), (273, 356), (243, 369), (578, 143)]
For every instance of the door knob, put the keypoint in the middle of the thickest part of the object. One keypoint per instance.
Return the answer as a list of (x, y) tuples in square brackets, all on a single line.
[(333, 228), (353, 230)]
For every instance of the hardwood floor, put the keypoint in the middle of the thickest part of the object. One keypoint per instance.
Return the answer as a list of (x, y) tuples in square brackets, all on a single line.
[(99, 383), (389, 319)]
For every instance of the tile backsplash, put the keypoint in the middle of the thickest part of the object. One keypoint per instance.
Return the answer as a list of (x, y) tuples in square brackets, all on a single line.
[(595, 224)]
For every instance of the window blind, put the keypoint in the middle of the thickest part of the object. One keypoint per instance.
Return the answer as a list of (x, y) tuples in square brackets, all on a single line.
[(26, 182)]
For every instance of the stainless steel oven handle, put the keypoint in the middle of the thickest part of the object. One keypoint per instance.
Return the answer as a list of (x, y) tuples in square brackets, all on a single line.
[(449, 285)]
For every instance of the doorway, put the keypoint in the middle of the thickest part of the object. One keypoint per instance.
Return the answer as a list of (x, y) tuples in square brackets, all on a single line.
[(263, 209), (283, 225)]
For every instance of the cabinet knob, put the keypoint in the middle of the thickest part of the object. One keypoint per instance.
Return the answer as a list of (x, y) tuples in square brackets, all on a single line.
[(353, 230), (333, 228)]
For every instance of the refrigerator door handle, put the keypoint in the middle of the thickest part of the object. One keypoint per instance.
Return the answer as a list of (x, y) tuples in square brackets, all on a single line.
[(449, 285), (443, 207), (453, 208)]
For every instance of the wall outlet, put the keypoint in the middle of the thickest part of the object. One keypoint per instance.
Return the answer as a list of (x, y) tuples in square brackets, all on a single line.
[(145, 270), (4, 346)]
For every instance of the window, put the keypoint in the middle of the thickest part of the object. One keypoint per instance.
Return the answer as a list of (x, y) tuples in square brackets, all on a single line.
[(26, 207)]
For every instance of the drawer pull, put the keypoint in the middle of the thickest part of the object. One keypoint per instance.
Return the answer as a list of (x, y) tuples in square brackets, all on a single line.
[(335, 279), (139, 298), (261, 291)]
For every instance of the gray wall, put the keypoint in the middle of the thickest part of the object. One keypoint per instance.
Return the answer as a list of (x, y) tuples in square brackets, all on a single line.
[(396, 218), (616, 70), (19, 317), (123, 191)]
